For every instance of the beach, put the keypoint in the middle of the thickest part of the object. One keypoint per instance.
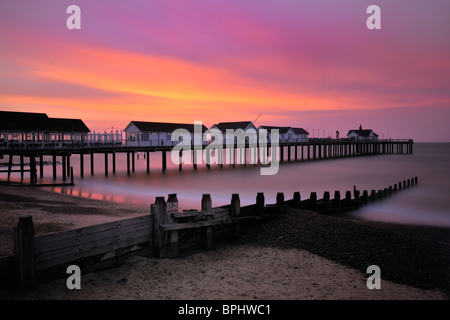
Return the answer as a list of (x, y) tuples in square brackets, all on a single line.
[(299, 255)]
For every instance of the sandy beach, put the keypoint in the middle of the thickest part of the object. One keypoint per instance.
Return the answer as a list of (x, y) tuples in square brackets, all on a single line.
[(271, 261)]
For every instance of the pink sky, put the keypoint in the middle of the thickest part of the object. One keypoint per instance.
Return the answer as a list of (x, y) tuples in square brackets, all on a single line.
[(310, 64)]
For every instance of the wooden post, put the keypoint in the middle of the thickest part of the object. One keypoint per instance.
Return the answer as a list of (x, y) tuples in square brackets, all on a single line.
[(54, 167), (313, 200), (207, 232), (337, 200), (24, 253), (172, 207), (157, 232), (21, 168), (10, 165), (33, 174), (41, 166), (92, 163), (194, 158), (365, 197), (81, 165), (132, 161), (114, 162), (297, 200), (260, 202), (128, 163), (235, 213), (68, 165), (208, 158), (164, 162), (148, 162), (326, 199), (106, 164), (165, 244), (348, 197), (206, 202), (64, 170), (280, 199)]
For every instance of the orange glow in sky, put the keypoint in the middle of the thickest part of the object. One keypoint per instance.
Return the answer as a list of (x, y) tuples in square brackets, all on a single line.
[(299, 64)]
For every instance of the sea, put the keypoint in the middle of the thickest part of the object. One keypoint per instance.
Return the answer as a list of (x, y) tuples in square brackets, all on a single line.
[(427, 203)]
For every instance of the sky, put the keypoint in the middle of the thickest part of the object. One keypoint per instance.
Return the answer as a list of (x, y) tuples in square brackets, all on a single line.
[(300, 63)]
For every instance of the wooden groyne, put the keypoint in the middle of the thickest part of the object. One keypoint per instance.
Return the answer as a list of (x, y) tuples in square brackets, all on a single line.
[(314, 149), (164, 233)]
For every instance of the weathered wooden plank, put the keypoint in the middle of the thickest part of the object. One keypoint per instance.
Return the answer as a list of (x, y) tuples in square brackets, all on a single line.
[(136, 230), (87, 250), (199, 224), (75, 246), (142, 222), (59, 236)]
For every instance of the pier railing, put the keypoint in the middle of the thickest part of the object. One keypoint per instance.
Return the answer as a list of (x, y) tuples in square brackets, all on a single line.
[(92, 144)]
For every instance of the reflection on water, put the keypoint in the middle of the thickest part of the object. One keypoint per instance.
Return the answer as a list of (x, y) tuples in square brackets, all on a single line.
[(426, 203)]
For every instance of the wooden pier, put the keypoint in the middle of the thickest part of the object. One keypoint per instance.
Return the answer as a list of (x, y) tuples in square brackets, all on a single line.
[(314, 149)]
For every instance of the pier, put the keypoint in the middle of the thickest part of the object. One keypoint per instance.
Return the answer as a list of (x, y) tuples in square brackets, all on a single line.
[(314, 149)]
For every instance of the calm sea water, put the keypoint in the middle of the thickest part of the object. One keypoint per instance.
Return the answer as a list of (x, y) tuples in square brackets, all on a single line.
[(425, 204)]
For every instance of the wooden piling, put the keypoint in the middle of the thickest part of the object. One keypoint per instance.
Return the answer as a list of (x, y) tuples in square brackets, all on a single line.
[(64, 170), (10, 165), (207, 232), (337, 200), (68, 165), (81, 165), (280, 198), (297, 200), (33, 170), (260, 201), (54, 166), (24, 253), (21, 168), (92, 163), (235, 211), (148, 162), (365, 197), (326, 199), (164, 161), (106, 164), (172, 207), (114, 162), (128, 163), (313, 200), (41, 166), (165, 243)]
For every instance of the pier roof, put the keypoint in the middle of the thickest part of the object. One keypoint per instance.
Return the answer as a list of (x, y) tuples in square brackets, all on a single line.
[(281, 130), (29, 121), (223, 126), (363, 132), (300, 131), (145, 126)]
